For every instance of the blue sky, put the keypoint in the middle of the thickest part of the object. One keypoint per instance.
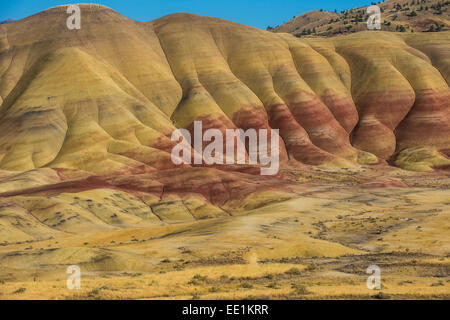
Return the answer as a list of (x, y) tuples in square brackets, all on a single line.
[(257, 13)]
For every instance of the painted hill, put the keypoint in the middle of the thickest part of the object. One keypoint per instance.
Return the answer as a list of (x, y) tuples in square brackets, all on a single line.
[(396, 16), (95, 108), (106, 98)]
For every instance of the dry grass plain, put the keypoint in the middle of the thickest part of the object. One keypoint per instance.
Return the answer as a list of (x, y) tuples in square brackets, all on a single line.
[(314, 245)]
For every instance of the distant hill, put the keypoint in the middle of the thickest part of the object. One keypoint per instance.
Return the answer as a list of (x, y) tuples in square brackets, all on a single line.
[(396, 16), (6, 21)]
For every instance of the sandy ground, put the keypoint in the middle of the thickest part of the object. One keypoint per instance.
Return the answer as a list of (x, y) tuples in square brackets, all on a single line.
[(315, 245)]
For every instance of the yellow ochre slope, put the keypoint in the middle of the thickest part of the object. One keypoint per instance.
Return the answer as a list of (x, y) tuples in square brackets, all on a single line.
[(106, 98)]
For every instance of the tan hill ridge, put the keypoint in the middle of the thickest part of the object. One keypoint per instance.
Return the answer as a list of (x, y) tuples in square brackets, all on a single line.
[(396, 16)]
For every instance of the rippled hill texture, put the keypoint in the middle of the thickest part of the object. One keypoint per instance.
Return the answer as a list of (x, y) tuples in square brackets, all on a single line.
[(105, 99), (86, 119)]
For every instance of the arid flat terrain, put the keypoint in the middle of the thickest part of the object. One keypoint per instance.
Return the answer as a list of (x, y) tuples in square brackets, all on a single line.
[(313, 245)]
